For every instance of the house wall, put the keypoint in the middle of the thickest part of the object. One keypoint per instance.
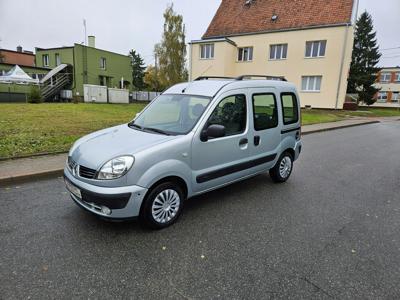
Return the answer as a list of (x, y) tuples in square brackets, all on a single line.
[(293, 68), (117, 65), (391, 87), (17, 58)]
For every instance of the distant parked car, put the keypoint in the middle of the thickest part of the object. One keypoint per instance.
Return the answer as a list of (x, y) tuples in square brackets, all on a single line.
[(194, 138)]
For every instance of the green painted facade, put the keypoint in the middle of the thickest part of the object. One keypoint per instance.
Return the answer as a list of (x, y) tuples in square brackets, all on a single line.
[(87, 66)]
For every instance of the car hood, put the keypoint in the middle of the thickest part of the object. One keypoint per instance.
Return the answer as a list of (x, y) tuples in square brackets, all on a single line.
[(97, 148)]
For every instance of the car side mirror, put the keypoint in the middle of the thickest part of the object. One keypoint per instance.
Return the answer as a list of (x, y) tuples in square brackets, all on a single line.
[(213, 131)]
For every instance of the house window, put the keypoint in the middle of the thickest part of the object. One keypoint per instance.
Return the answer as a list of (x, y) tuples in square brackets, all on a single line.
[(385, 77), (290, 109), (207, 51), (397, 77), (395, 97), (103, 63), (265, 114), (245, 54), (58, 59), (278, 51), (46, 60), (382, 97), (311, 83), (315, 49)]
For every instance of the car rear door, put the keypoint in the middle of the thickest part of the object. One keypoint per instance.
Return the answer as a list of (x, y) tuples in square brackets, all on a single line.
[(264, 132), (218, 161)]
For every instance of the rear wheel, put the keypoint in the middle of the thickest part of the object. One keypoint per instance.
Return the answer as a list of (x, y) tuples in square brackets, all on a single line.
[(283, 168), (162, 205)]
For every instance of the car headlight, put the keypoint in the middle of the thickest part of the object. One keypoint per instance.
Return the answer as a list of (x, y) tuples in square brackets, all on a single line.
[(116, 168)]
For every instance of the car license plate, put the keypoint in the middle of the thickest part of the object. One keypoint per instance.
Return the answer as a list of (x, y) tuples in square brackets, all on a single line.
[(73, 189)]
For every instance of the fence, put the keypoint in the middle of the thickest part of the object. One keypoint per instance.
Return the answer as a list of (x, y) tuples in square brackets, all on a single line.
[(144, 96)]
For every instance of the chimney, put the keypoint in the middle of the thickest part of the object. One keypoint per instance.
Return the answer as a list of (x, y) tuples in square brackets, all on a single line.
[(92, 41), (19, 49)]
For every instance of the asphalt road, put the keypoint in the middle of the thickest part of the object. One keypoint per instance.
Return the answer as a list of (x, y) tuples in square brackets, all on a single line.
[(331, 231)]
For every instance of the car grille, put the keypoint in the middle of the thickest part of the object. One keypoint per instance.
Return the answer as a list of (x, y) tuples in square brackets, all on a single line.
[(86, 172), (83, 171), (71, 163)]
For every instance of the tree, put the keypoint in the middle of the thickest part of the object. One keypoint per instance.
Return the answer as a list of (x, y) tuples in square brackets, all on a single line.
[(365, 57), (138, 69), (152, 80), (170, 53)]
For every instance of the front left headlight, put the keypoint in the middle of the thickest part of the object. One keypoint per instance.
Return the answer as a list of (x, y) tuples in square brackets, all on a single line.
[(116, 168)]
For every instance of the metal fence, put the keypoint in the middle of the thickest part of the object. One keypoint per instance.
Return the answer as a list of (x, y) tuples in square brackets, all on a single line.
[(143, 95)]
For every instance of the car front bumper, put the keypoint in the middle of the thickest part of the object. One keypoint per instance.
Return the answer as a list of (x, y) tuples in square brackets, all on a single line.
[(108, 202)]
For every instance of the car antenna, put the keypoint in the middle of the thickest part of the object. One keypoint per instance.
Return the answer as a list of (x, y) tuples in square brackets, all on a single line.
[(190, 83)]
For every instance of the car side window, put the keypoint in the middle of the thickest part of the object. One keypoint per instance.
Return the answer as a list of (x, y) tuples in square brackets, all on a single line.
[(290, 108), (231, 112), (265, 113)]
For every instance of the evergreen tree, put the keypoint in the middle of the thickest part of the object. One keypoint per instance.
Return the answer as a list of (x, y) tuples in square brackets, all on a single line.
[(138, 69), (365, 57), (170, 53)]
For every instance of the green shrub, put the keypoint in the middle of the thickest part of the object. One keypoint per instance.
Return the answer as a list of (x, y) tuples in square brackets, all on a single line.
[(35, 95)]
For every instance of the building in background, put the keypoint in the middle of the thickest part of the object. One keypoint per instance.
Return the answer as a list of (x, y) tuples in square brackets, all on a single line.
[(88, 65), (309, 42), (388, 80)]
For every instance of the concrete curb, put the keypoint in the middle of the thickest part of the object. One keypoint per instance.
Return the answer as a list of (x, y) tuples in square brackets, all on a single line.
[(339, 127), (4, 181)]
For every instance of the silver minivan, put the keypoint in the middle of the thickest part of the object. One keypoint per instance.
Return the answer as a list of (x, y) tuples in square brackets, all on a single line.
[(193, 138)]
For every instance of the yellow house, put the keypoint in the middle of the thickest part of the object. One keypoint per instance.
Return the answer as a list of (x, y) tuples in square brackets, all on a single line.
[(388, 81), (308, 42)]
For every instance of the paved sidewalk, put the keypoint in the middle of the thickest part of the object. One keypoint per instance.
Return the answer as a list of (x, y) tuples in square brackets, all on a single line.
[(24, 169)]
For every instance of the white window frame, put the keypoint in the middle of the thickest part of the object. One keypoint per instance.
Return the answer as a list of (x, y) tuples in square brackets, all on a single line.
[(382, 97), (309, 82), (313, 45), (273, 51), (385, 75), (207, 51), (103, 63), (395, 99), (46, 60), (247, 56), (58, 59)]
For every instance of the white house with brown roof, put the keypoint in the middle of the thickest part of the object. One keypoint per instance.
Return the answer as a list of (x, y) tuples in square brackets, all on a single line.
[(309, 42), (388, 81)]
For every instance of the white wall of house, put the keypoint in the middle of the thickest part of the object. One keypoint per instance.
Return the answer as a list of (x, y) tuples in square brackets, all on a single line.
[(333, 67)]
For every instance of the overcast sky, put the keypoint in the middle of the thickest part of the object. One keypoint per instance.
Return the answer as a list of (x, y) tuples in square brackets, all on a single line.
[(122, 25)]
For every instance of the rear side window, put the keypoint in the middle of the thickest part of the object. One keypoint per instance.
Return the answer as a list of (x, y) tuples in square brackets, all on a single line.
[(231, 113), (264, 111), (289, 108)]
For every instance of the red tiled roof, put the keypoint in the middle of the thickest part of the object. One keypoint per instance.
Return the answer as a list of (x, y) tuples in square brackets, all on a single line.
[(234, 17)]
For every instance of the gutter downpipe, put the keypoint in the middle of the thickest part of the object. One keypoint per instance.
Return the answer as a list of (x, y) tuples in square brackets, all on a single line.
[(353, 21), (341, 65), (190, 61)]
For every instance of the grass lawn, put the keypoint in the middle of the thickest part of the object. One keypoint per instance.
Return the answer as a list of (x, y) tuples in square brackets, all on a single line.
[(37, 128), (45, 128)]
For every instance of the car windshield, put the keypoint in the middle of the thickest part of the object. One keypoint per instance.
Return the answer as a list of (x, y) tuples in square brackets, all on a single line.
[(172, 114)]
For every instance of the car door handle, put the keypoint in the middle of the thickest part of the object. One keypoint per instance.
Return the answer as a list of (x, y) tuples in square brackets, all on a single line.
[(243, 142), (257, 140)]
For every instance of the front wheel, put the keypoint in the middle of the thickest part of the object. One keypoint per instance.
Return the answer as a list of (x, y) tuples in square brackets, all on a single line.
[(162, 205), (283, 168)]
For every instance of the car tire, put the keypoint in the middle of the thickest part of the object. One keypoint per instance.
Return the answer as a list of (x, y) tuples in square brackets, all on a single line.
[(283, 168), (162, 205)]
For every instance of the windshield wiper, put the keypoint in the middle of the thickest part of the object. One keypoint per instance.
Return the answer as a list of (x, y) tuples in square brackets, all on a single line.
[(135, 126), (156, 130)]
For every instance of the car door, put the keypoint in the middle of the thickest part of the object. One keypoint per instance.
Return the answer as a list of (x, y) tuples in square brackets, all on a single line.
[(218, 161), (264, 132)]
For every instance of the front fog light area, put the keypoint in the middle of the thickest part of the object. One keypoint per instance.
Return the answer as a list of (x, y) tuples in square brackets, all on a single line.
[(105, 210), (116, 167)]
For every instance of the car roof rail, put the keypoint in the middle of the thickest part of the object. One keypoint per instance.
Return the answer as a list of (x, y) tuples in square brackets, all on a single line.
[(267, 77), (212, 77)]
